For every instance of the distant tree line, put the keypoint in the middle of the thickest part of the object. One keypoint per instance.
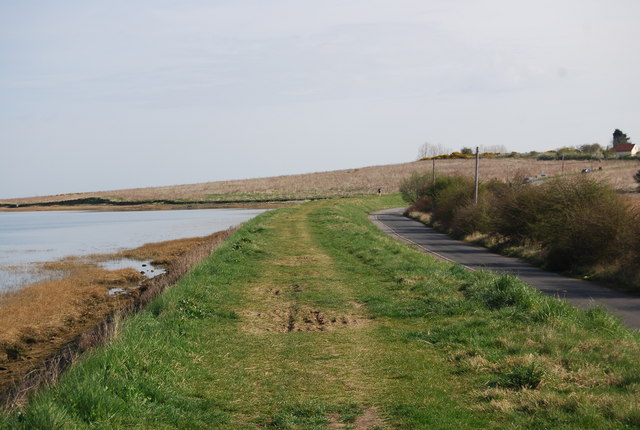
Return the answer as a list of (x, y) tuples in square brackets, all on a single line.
[(587, 151)]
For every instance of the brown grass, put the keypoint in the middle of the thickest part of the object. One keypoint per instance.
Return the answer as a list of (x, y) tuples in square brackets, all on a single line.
[(163, 253), (365, 180), (39, 319)]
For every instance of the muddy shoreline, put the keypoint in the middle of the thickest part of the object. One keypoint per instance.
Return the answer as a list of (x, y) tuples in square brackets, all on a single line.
[(36, 356), (100, 204)]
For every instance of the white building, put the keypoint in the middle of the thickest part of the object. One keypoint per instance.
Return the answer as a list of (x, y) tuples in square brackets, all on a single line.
[(626, 149)]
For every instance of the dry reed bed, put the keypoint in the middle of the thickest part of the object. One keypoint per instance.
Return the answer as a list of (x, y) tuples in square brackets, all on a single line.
[(73, 314), (365, 180)]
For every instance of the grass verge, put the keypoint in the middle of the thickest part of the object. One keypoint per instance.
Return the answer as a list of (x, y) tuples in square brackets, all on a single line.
[(309, 317)]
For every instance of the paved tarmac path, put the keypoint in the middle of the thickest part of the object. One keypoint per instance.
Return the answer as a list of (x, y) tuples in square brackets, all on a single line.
[(580, 293)]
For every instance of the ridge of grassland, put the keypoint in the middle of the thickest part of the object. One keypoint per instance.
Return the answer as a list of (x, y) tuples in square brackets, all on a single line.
[(322, 185), (310, 317)]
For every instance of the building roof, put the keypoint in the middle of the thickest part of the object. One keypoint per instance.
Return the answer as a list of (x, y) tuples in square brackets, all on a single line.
[(625, 147)]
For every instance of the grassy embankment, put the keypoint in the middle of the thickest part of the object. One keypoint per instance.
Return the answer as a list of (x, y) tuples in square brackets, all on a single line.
[(309, 317)]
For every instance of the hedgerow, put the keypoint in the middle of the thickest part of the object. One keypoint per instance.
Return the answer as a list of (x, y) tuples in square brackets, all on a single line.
[(578, 224)]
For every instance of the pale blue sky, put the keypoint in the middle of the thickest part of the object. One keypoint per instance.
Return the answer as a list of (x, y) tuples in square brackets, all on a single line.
[(100, 95)]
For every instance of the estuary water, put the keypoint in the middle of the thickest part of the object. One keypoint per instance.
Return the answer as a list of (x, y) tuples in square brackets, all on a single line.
[(31, 237)]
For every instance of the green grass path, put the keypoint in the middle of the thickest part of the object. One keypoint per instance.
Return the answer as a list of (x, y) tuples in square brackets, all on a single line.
[(308, 317)]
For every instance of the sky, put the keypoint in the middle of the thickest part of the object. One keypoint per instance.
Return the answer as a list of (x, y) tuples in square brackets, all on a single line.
[(103, 95)]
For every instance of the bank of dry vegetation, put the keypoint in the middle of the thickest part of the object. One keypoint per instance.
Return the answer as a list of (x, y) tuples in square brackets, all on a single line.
[(349, 182), (39, 319), (576, 224)]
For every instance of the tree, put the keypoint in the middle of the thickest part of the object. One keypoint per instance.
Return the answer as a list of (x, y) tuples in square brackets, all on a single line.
[(427, 150), (467, 151), (496, 149), (594, 148), (566, 150), (619, 138)]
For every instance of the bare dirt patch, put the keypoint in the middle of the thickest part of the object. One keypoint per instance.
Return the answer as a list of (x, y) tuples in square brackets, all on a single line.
[(282, 297), (368, 420), (298, 260), (290, 317)]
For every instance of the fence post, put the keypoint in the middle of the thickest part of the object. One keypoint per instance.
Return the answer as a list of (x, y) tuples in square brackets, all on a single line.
[(476, 180)]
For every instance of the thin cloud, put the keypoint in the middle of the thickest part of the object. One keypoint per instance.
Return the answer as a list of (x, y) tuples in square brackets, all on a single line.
[(190, 91)]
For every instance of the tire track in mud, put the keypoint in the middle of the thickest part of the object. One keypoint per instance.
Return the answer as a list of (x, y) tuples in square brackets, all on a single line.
[(282, 298)]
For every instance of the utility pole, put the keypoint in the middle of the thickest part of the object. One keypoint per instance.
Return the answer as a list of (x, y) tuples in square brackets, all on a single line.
[(476, 180), (433, 173)]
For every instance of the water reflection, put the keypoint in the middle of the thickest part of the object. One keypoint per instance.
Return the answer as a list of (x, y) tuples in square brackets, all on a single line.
[(29, 237), (144, 267), (15, 277)]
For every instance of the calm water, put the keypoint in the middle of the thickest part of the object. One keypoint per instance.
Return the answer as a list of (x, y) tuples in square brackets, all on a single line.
[(28, 237)]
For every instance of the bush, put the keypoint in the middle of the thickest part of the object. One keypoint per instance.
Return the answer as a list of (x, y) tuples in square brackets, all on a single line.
[(629, 251), (441, 196), (470, 217), (577, 221), (449, 194), (423, 204), (415, 186), (581, 222), (515, 211)]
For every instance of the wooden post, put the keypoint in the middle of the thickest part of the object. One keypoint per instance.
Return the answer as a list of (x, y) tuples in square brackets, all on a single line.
[(433, 173), (476, 181)]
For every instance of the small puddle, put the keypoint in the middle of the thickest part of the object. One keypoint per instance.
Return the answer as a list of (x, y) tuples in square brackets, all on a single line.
[(144, 267), (114, 291)]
